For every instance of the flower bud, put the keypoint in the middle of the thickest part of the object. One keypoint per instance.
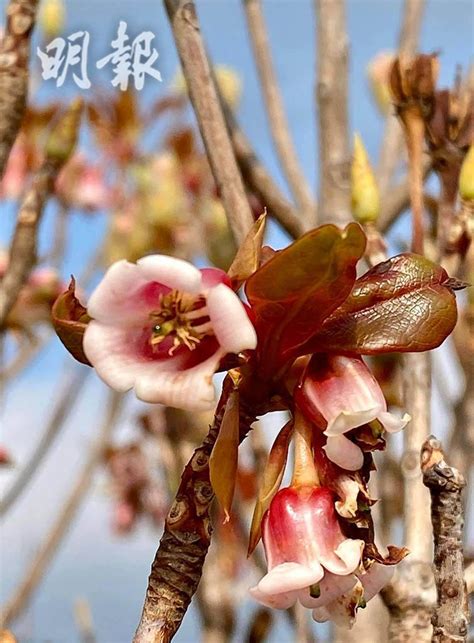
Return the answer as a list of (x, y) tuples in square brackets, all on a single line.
[(466, 178), (378, 72), (51, 18), (365, 192)]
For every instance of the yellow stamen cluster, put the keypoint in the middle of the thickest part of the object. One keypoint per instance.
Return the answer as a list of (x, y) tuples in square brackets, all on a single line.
[(175, 318)]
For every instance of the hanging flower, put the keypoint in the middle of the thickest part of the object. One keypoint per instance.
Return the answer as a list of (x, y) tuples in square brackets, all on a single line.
[(309, 558), (161, 326), (338, 394)]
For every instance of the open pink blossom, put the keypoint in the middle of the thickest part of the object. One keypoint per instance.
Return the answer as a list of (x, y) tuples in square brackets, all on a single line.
[(161, 327), (309, 558), (339, 393)]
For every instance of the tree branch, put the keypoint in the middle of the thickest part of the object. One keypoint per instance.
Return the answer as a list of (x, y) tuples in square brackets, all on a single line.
[(392, 143), (276, 112), (177, 568), (332, 100), (203, 94), (14, 57), (451, 616), (65, 517), (64, 405)]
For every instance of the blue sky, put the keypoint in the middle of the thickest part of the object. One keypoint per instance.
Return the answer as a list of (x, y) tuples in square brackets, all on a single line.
[(112, 572)]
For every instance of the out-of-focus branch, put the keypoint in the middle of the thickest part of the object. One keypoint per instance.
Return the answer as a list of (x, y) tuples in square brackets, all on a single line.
[(177, 568), (83, 618), (392, 144), (398, 199), (332, 101), (203, 94), (451, 616), (23, 247), (14, 56), (276, 112), (411, 596), (469, 578), (261, 183), (64, 405), (65, 517)]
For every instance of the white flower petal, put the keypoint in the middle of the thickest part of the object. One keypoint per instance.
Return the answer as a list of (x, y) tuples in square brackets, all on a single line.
[(375, 579), (347, 420), (108, 348), (331, 586), (350, 552), (344, 453), (321, 615), (288, 577), (274, 601), (230, 322), (166, 383), (392, 423), (114, 301), (172, 272)]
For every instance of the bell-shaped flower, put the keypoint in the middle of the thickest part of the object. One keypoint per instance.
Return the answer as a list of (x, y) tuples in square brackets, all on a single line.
[(308, 556), (339, 393), (161, 327)]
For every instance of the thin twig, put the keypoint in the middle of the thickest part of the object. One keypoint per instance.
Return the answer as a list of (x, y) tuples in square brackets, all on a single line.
[(332, 101), (451, 616), (14, 56), (64, 519), (392, 144), (277, 119), (83, 618), (203, 94), (64, 405), (177, 568)]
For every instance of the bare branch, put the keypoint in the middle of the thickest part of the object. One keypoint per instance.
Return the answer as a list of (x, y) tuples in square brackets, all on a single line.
[(276, 112), (63, 406), (14, 57), (392, 144), (203, 94), (332, 100), (65, 517), (23, 248), (451, 616), (177, 568)]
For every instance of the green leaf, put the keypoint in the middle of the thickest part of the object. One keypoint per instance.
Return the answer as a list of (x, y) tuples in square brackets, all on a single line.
[(224, 456), (271, 480), (70, 321), (295, 291), (405, 304)]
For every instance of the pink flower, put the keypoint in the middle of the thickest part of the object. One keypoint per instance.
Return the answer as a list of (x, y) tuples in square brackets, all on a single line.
[(339, 393), (161, 327), (309, 558)]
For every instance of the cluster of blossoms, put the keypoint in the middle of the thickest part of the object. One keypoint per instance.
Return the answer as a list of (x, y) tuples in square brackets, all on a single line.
[(163, 328)]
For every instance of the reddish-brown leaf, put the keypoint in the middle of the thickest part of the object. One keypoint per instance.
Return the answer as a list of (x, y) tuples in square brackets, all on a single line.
[(403, 304), (70, 321), (247, 259), (295, 291)]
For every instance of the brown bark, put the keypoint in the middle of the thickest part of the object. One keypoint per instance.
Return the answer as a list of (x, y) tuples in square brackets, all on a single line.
[(451, 616), (332, 101), (14, 57), (203, 94), (177, 568)]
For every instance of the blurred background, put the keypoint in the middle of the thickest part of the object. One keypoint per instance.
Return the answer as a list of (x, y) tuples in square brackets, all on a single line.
[(103, 562)]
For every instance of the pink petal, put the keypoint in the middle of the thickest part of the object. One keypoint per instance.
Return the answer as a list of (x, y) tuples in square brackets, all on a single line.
[(393, 423), (165, 383), (213, 277), (347, 420), (331, 586), (375, 579), (274, 601), (349, 552), (110, 350), (344, 453), (288, 577), (321, 615), (116, 299), (230, 322), (172, 272)]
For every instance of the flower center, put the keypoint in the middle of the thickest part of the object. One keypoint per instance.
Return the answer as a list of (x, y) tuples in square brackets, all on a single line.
[(182, 318)]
